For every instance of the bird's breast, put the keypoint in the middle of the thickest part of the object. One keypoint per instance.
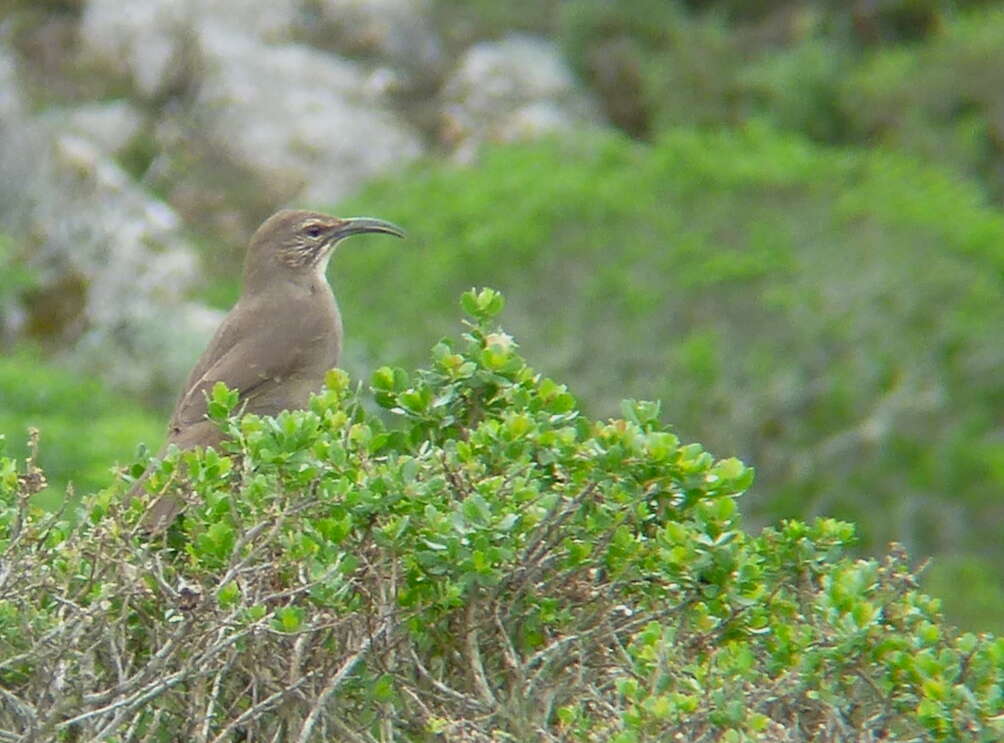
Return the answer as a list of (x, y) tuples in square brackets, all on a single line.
[(315, 332)]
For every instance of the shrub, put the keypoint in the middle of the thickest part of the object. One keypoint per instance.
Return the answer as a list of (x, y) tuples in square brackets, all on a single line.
[(831, 315), (85, 428), (15, 280), (494, 565), (837, 72), (653, 63), (953, 118), (462, 22)]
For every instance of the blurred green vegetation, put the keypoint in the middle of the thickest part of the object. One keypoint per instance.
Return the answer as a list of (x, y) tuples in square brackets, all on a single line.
[(925, 77), (955, 116), (15, 276), (792, 242), (85, 428), (969, 589), (568, 579), (464, 21), (831, 315)]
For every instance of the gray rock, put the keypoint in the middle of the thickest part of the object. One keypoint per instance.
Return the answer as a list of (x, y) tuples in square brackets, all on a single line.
[(12, 109), (397, 32), (302, 123), (111, 125), (308, 124), (508, 90), (143, 41), (113, 269), (11, 102), (154, 43)]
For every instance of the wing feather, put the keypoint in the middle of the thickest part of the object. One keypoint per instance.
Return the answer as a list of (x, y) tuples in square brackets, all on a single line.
[(246, 354)]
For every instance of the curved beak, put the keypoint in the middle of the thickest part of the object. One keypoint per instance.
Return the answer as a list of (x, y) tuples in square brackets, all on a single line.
[(361, 225)]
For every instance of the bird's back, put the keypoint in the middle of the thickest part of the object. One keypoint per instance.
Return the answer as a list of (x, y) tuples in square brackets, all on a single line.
[(274, 350), (277, 343)]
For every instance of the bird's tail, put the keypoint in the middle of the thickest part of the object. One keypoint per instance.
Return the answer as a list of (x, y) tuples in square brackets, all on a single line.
[(161, 514)]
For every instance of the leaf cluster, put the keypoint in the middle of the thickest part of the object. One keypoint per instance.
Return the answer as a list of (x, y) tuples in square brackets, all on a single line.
[(832, 315), (836, 72), (487, 563)]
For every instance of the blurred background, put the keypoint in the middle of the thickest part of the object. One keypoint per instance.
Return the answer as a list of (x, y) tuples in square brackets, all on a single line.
[(781, 218)]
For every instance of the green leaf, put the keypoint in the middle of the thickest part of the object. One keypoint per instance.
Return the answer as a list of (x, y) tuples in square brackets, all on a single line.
[(221, 402), (382, 689), (469, 302), (228, 595), (482, 305), (290, 618)]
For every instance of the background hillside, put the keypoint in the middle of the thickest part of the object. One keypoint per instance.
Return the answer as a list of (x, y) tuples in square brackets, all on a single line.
[(784, 223)]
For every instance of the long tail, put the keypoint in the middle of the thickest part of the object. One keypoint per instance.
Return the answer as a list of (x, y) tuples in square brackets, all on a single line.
[(161, 514)]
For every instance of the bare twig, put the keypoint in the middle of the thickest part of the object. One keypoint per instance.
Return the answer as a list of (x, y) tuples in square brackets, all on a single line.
[(471, 644), (335, 681)]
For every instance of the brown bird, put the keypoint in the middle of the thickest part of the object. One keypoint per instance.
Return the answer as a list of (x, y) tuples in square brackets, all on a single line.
[(279, 340)]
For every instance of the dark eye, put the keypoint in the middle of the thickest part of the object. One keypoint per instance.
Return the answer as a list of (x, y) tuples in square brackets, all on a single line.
[(314, 230)]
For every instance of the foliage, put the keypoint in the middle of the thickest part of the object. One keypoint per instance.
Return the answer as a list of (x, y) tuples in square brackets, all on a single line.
[(954, 117), (831, 315), (653, 63), (463, 22), (837, 72), (14, 276), (85, 428), (665, 62), (495, 566), (969, 589), (15, 280)]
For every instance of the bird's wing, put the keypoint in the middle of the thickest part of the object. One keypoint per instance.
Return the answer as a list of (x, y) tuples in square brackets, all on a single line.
[(247, 352)]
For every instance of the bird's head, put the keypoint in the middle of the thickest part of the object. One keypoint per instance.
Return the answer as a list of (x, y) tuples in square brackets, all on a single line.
[(301, 242)]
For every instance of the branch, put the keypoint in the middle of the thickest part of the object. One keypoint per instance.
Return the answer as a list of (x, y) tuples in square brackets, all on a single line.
[(474, 656), (335, 681)]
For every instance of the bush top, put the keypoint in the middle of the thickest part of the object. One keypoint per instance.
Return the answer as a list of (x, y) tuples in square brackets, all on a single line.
[(486, 563)]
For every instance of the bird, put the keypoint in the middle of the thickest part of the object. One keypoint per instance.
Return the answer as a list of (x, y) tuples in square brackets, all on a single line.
[(276, 344)]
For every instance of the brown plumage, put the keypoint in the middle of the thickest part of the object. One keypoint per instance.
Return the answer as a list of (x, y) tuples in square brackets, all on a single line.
[(279, 340)]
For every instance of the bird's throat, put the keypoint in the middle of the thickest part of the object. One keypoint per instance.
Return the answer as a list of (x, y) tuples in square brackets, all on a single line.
[(321, 265)]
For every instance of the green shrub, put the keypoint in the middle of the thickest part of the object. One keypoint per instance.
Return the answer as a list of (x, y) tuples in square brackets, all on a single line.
[(953, 118), (653, 63), (836, 73), (656, 64), (463, 22), (969, 588), (494, 566), (15, 277), (831, 315), (85, 428)]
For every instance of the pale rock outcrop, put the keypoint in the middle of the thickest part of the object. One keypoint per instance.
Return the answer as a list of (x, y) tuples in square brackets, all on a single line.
[(512, 89)]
